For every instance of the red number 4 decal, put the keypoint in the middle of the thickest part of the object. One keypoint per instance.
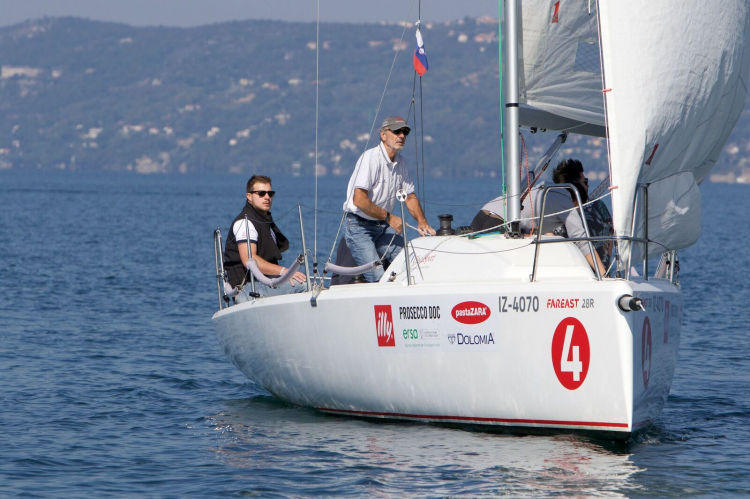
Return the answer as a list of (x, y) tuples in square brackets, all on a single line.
[(571, 353)]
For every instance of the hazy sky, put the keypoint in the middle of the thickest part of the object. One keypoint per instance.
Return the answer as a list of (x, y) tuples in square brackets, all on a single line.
[(197, 12)]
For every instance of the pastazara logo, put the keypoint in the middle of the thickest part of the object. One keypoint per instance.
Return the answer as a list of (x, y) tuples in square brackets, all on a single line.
[(471, 312), (384, 326)]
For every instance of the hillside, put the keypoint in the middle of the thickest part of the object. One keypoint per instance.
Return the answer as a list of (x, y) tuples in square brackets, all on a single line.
[(240, 97)]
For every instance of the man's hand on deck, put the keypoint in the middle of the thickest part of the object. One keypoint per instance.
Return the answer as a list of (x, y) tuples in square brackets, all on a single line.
[(424, 229)]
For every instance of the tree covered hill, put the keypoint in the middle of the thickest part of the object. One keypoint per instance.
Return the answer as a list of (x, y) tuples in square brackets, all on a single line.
[(241, 97)]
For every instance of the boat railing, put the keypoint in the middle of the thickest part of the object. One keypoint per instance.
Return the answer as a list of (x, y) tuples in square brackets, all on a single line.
[(545, 192), (641, 194), (220, 273), (642, 190)]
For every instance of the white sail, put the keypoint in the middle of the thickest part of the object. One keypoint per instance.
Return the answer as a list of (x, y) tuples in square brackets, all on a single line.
[(561, 66), (676, 78)]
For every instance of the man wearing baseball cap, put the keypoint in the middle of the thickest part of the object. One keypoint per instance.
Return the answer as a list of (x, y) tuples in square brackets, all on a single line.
[(371, 228)]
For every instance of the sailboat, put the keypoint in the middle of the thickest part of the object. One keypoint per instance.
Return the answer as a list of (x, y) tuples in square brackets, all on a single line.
[(518, 332)]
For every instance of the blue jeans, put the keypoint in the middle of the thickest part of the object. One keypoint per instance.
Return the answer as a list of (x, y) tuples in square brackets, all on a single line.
[(368, 240), (264, 290)]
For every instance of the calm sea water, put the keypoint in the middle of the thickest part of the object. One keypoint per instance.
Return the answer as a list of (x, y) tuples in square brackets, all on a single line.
[(112, 382)]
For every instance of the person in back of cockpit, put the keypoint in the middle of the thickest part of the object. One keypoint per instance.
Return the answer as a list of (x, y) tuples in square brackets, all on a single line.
[(564, 216)]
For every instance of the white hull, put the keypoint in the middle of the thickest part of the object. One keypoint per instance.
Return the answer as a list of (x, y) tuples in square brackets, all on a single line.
[(484, 362)]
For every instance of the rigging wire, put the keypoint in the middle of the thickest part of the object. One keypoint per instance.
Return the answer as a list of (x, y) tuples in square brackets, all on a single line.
[(416, 148), (375, 119), (421, 129), (531, 242), (317, 91), (419, 150), (507, 224), (423, 192)]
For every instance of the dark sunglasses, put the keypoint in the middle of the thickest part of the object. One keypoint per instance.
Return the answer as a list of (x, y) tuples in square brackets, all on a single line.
[(405, 131), (262, 194), (586, 180)]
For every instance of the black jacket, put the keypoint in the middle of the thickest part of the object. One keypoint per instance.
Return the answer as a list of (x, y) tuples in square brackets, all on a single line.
[(271, 243)]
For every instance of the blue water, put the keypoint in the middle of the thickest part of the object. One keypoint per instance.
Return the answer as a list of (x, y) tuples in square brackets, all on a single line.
[(112, 382)]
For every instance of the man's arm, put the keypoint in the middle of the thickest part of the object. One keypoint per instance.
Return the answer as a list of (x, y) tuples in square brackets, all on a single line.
[(364, 203), (574, 226), (599, 263), (416, 211), (266, 267)]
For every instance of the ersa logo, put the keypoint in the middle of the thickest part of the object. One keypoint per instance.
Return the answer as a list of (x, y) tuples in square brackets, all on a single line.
[(384, 326), (471, 312)]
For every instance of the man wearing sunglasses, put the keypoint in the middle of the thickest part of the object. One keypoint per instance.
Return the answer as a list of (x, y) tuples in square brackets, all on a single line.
[(266, 242), (371, 229)]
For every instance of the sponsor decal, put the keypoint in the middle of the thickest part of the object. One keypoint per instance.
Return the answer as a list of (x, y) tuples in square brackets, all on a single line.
[(571, 353), (562, 303), (559, 303), (471, 339), (428, 334), (654, 302), (477, 339), (646, 351), (421, 338), (421, 260), (471, 312), (384, 326), (410, 313)]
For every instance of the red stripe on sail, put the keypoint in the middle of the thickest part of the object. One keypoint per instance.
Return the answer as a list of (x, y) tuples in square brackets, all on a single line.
[(557, 11), (648, 161)]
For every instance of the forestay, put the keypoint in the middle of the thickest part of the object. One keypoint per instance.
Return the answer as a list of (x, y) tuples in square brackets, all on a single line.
[(676, 74)]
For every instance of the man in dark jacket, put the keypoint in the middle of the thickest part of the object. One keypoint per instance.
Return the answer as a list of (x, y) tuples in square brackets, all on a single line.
[(266, 242)]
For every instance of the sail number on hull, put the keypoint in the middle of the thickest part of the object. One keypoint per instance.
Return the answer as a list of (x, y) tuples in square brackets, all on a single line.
[(519, 304), (574, 365), (571, 353)]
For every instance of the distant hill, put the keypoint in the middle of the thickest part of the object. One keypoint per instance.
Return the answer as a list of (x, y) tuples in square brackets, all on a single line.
[(240, 97)]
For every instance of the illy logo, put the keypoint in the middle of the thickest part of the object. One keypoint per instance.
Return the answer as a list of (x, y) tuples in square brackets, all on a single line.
[(384, 326)]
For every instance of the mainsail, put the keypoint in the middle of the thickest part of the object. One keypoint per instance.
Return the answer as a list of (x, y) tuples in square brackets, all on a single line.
[(561, 80), (675, 83)]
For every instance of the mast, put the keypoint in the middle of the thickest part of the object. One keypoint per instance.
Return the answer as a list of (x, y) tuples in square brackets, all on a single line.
[(510, 136)]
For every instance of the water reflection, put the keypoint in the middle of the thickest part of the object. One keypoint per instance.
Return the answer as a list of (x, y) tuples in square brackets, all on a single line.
[(288, 450)]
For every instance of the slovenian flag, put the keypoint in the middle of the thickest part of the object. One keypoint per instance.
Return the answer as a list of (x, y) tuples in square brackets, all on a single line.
[(420, 57)]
